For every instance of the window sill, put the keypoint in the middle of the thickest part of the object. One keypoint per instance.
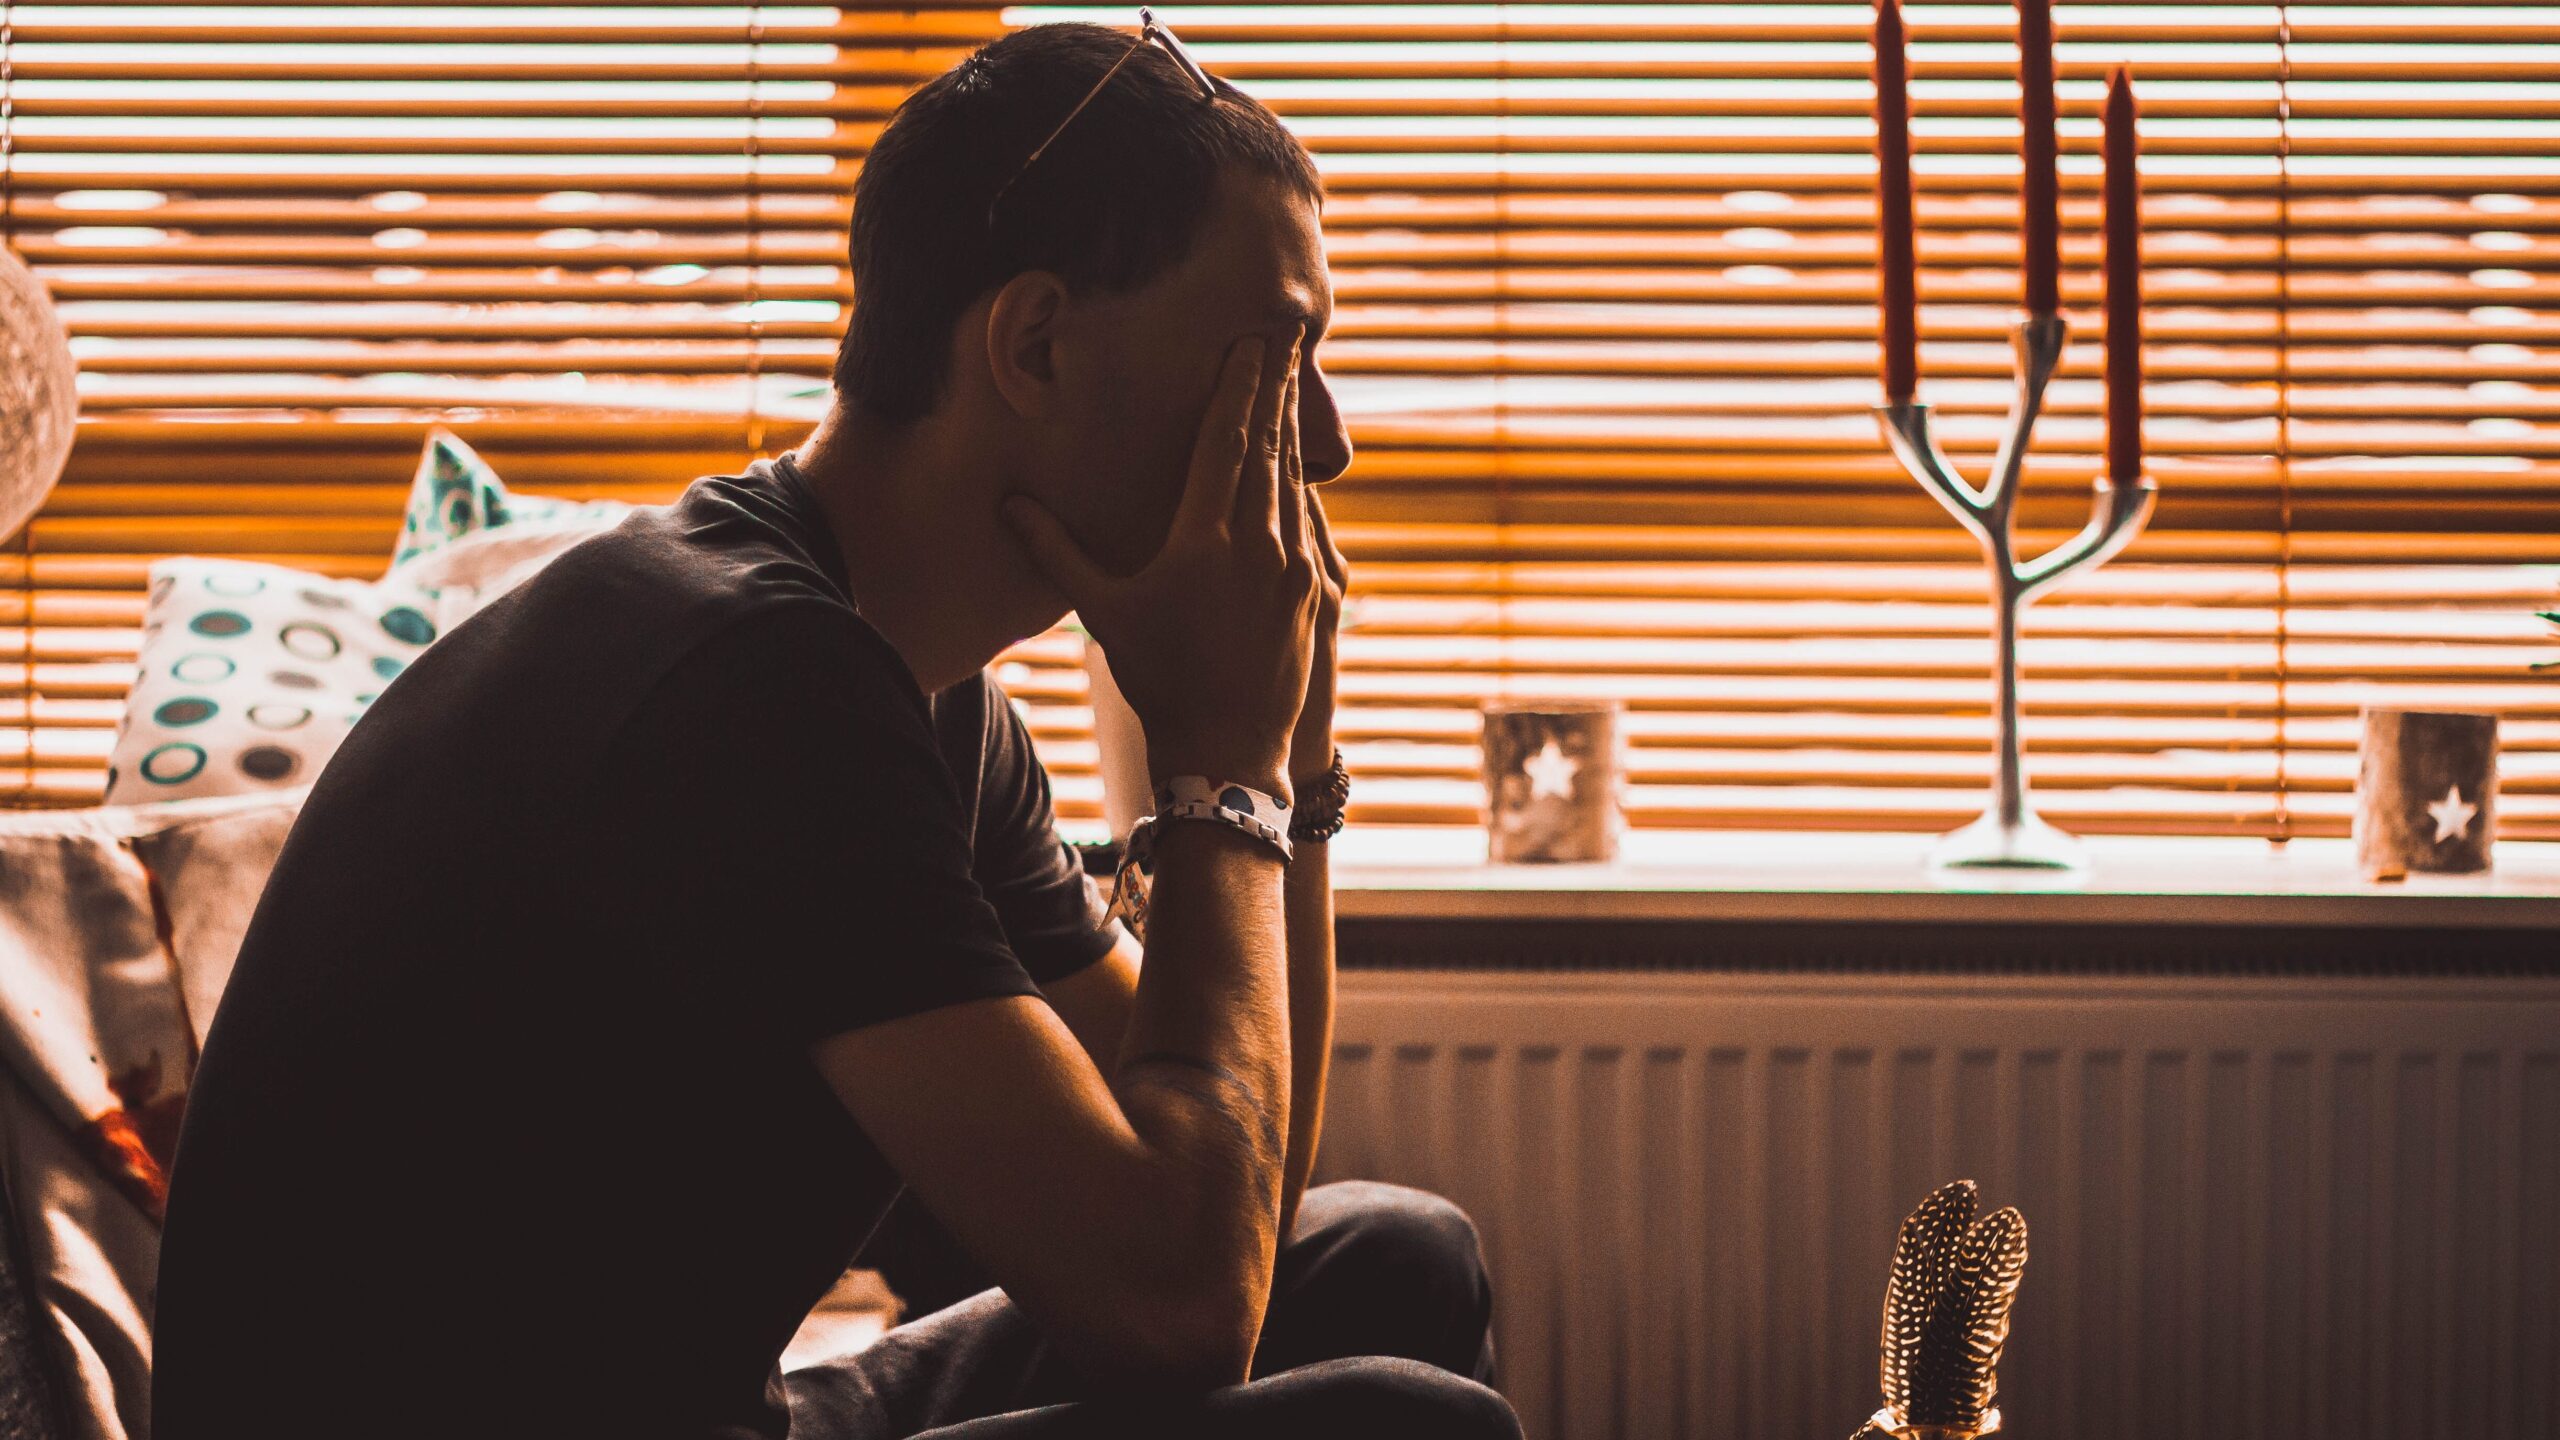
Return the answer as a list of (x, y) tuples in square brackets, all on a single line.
[(1424, 873)]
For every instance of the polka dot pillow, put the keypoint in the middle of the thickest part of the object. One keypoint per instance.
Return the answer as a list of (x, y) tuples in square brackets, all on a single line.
[(251, 675)]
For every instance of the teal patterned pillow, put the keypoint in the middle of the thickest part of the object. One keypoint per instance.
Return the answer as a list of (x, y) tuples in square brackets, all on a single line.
[(457, 495), (250, 675)]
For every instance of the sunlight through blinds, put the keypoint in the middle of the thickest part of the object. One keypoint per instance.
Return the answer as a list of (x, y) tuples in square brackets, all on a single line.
[(1606, 337), (603, 242)]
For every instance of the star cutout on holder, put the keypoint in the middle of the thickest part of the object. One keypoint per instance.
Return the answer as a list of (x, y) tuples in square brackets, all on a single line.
[(1551, 772), (2452, 815)]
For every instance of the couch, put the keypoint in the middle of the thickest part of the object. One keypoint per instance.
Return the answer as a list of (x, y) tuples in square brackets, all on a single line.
[(118, 928)]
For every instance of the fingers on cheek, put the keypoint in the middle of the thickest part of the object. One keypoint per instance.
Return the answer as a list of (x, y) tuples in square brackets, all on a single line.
[(1334, 563)]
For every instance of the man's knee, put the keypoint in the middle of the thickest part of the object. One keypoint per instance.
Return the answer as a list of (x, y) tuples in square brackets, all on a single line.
[(1395, 1230), (1387, 1395), (1378, 1269)]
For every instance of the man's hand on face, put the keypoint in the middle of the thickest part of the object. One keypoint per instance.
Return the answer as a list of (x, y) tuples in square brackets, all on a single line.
[(1213, 641), (1311, 744)]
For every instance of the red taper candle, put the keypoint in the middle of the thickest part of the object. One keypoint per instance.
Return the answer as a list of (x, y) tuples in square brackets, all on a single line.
[(2041, 192), (1897, 283), (2124, 286)]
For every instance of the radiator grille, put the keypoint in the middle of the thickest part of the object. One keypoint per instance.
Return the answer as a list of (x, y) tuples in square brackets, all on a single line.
[(2315, 1208)]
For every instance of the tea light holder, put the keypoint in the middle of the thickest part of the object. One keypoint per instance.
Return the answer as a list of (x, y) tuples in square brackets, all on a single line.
[(1551, 777), (2426, 792)]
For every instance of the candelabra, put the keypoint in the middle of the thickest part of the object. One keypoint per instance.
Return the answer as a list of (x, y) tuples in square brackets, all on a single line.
[(2010, 835)]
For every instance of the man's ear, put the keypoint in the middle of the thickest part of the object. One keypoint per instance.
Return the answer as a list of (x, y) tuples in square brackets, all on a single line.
[(1022, 340)]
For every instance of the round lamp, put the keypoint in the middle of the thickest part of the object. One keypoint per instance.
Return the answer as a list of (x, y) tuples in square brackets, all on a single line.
[(39, 394)]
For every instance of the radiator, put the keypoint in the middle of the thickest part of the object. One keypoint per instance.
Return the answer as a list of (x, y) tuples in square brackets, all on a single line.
[(2316, 1207)]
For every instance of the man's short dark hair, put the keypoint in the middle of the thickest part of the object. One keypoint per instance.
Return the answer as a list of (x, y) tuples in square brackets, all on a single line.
[(1112, 204)]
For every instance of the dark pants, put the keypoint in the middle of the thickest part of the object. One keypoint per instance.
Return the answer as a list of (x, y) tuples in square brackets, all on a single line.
[(1379, 1324)]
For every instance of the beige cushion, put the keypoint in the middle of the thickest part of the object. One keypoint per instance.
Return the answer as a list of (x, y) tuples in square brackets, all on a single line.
[(118, 927)]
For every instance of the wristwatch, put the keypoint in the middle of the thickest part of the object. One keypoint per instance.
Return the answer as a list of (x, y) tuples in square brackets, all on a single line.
[(1321, 803)]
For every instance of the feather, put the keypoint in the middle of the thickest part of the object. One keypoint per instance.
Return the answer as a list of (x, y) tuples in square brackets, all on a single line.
[(1922, 1256), (1952, 1375)]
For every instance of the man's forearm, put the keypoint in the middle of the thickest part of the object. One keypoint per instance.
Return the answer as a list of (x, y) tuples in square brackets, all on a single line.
[(1203, 1072), (1307, 896)]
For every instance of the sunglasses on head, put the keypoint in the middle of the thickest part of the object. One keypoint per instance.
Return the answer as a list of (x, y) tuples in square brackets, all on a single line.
[(1150, 31)]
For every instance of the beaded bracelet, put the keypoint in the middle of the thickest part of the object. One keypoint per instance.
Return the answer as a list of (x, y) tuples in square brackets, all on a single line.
[(1320, 817)]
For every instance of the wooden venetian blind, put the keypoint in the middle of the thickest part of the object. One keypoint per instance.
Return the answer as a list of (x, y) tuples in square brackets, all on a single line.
[(1606, 334), (603, 242)]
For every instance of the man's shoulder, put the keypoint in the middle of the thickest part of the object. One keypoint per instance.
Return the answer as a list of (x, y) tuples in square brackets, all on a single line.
[(751, 566), (727, 561), (543, 678), (725, 548)]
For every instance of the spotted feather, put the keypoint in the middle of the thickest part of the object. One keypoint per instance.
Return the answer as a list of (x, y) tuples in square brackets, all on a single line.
[(1953, 1376), (1922, 1257)]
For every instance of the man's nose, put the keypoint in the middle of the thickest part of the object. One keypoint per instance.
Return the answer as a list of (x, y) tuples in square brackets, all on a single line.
[(1324, 443)]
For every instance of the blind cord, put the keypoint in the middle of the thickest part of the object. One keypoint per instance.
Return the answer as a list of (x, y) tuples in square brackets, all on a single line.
[(27, 531), (755, 230), (8, 122), (1507, 660), (2284, 425)]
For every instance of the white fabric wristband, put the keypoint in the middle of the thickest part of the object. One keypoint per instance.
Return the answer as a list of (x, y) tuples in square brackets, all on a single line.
[(1197, 797), (1263, 816)]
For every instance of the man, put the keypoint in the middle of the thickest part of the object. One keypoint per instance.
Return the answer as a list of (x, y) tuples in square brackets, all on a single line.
[(672, 913)]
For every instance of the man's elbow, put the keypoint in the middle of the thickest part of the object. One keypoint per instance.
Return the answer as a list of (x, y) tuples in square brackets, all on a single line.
[(1182, 1307), (1200, 1339)]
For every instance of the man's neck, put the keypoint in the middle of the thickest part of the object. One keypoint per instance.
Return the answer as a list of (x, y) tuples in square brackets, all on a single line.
[(934, 586)]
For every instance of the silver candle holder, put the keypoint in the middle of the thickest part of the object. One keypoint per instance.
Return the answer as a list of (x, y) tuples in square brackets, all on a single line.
[(2010, 835)]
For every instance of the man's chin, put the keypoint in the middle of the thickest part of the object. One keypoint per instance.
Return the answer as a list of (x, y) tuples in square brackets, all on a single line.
[(1034, 621)]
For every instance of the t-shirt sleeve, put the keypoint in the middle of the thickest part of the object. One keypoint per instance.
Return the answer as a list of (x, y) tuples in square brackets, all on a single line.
[(1053, 913), (797, 843)]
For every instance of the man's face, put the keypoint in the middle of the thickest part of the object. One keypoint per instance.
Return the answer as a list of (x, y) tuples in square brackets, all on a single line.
[(1138, 368)]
